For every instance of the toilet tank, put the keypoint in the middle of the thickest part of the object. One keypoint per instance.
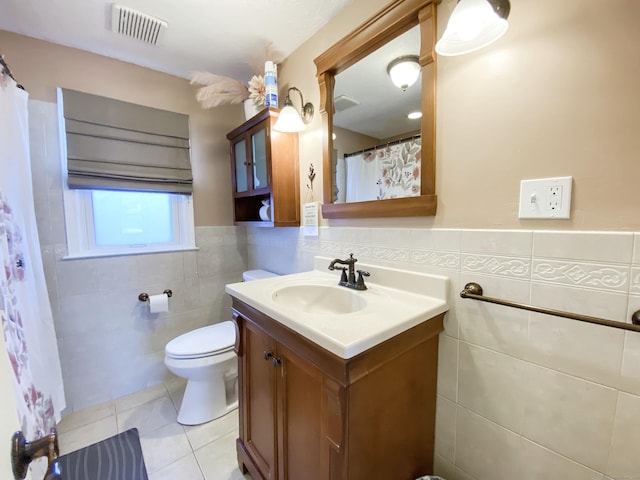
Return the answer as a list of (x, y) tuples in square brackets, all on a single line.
[(257, 275)]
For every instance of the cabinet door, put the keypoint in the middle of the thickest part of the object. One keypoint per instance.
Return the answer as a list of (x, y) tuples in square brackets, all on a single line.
[(300, 396), (240, 166), (259, 400), (259, 159)]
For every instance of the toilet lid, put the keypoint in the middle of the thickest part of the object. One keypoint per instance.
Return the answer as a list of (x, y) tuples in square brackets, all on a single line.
[(203, 341)]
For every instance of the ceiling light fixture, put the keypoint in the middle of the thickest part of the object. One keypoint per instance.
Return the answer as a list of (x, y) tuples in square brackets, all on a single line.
[(289, 120), (414, 115), (404, 71), (474, 24)]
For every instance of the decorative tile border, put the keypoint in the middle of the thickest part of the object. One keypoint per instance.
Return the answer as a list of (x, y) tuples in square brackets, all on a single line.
[(432, 258), (391, 254), (495, 265), (329, 248), (603, 277), (635, 280), (359, 251)]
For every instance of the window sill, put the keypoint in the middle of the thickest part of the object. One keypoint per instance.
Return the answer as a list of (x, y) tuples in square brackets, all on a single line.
[(86, 255)]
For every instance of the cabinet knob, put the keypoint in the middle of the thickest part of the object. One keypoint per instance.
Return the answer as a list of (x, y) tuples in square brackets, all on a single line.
[(267, 355), (276, 361)]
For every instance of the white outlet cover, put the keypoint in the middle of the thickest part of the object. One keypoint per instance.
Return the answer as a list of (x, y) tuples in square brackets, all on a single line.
[(545, 198)]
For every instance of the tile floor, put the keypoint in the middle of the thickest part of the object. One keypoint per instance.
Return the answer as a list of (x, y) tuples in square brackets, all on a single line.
[(171, 451)]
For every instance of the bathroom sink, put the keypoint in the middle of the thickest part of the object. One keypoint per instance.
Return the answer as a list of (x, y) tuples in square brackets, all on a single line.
[(320, 299), (344, 321)]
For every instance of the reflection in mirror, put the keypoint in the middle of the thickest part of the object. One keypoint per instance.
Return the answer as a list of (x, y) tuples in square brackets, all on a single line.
[(377, 146)]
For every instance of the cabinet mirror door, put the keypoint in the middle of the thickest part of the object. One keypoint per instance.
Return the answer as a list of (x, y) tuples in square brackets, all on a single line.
[(240, 157), (259, 153)]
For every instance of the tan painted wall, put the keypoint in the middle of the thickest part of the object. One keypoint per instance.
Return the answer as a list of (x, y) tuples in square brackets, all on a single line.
[(42, 66), (557, 95), (348, 141)]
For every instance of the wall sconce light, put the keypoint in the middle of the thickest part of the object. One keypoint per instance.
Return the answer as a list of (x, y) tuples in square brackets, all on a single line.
[(289, 119), (404, 71), (474, 24)]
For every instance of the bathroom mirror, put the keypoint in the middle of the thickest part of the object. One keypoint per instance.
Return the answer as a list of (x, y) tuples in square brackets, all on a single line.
[(403, 25), (376, 145)]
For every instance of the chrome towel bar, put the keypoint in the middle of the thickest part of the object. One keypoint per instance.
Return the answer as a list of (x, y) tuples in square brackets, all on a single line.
[(474, 291)]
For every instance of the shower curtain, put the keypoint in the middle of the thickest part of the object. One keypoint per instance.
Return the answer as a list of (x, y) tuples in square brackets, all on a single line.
[(27, 321), (391, 171), (363, 177)]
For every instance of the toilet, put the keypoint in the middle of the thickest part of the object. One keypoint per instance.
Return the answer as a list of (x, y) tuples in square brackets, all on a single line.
[(205, 357)]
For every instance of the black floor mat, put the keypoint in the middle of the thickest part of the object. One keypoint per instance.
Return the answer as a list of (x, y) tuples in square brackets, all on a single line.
[(116, 458)]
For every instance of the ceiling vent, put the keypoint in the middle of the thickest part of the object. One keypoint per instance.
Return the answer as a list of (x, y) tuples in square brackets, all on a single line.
[(132, 23), (343, 102)]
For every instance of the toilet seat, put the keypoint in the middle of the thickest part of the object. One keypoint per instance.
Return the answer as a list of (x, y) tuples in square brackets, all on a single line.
[(203, 342)]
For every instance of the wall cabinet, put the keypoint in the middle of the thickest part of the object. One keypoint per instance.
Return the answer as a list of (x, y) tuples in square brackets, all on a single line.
[(264, 167), (307, 414)]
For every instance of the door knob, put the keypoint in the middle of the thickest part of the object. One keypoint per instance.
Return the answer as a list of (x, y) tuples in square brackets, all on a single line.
[(276, 361), (267, 355), (23, 453)]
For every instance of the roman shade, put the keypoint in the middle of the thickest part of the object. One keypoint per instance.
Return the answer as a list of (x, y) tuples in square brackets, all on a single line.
[(118, 145)]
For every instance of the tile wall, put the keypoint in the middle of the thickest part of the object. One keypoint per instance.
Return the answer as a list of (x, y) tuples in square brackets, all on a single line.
[(109, 343), (521, 396)]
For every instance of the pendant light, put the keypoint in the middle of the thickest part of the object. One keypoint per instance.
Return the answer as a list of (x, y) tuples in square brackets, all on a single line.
[(474, 24)]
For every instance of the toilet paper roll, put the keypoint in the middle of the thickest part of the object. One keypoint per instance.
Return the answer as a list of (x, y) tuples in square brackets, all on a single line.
[(265, 213), (158, 303)]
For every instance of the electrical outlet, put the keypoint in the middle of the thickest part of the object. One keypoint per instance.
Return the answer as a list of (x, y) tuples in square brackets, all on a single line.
[(554, 197), (545, 198)]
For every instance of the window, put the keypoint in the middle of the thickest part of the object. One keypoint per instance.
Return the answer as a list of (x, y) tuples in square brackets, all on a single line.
[(110, 222), (127, 177), (132, 218)]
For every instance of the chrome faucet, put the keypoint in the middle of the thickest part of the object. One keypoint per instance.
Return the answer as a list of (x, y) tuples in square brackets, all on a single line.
[(349, 280)]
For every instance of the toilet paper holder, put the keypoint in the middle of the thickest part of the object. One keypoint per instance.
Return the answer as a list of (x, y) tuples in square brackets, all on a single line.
[(144, 297)]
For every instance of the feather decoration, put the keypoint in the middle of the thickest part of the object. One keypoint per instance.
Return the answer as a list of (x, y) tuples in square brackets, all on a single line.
[(209, 99), (218, 89), (270, 52)]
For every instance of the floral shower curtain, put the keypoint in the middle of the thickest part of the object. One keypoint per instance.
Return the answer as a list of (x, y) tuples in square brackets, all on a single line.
[(390, 171), (27, 321)]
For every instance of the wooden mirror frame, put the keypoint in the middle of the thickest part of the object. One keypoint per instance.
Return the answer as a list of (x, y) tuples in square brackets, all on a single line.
[(395, 19)]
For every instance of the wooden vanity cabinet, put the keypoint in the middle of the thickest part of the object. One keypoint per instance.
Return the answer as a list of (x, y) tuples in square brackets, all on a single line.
[(307, 414), (264, 167), (259, 400)]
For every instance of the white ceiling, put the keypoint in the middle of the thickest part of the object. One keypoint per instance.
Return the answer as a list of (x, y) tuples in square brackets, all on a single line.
[(227, 37), (218, 36)]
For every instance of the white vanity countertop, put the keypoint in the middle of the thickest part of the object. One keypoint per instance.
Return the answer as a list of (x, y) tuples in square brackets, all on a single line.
[(395, 301)]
